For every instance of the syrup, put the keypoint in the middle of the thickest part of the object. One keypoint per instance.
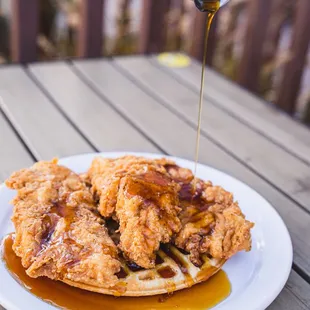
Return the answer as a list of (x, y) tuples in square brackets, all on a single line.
[(210, 7), (199, 297)]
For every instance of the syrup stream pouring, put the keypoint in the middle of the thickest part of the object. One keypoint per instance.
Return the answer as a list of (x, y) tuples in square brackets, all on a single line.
[(210, 7)]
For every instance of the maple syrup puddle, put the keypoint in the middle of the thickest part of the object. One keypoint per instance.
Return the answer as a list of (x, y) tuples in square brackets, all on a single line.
[(201, 296)]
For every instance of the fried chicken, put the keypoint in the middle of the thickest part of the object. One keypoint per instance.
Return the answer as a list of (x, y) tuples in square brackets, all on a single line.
[(58, 233), (212, 223), (142, 197), (60, 218), (147, 208), (105, 175)]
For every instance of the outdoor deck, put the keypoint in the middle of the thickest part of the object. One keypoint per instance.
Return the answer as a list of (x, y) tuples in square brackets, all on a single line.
[(59, 109)]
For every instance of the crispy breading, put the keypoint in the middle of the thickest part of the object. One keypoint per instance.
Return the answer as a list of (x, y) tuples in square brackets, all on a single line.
[(142, 197), (212, 223), (105, 175), (60, 216), (147, 209), (58, 233)]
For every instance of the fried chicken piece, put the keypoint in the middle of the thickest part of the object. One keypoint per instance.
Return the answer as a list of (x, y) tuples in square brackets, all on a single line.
[(179, 174), (105, 176), (230, 235), (58, 234), (147, 208), (140, 195), (212, 223)]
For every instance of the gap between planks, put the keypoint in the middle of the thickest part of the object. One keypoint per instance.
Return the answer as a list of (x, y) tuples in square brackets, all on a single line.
[(14, 153), (96, 118), (142, 72), (102, 74), (285, 298), (247, 109)]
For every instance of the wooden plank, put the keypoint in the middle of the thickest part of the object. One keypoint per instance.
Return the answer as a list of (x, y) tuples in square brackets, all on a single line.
[(300, 288), (282, 169), (164, 127), (252, 57), (90, 42), (13, 155), (153, 33), (100, 123), (43, 128), (293, 70), (294, 296), (24, 29), (246, 107)]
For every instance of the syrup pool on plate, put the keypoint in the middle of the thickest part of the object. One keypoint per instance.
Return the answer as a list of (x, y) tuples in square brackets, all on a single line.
[(199, 297)]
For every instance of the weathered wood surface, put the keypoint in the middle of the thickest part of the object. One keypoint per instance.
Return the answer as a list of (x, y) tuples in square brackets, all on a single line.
[(257, 114), (295, 295), (164, 127), (13, 155), (89, 105), (43, 128), (96, 119), (258, 153)]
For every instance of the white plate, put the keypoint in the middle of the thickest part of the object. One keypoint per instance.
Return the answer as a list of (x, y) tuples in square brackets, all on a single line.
[(257, 277)]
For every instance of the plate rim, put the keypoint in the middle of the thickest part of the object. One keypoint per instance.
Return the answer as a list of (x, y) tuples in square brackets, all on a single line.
[(277, 287)]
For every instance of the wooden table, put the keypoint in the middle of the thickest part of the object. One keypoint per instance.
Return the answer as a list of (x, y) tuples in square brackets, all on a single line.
[(137, 104)]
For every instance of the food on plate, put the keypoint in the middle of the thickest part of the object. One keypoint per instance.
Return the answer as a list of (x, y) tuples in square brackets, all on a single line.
[(58, 233), (128, 226)]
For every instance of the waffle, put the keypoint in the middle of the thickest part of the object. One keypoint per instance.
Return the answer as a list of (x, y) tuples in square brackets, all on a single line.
[(66, 239), (173, 271)]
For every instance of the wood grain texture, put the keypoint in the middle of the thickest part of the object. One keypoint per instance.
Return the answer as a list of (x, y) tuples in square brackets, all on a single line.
[(100, 123), (178, 138), (282, 169), (13, 155), (295, 295), (264, 118), (152, 116), (43, 128)]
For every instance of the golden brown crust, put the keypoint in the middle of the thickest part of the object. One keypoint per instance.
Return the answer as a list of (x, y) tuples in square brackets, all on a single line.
[(212, 223), (61, 235), (58, 235), (142, 197), (105, 175), (147, 209)]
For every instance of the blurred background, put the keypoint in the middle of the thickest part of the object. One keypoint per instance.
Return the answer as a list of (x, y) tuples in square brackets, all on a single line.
[(261, 45)]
